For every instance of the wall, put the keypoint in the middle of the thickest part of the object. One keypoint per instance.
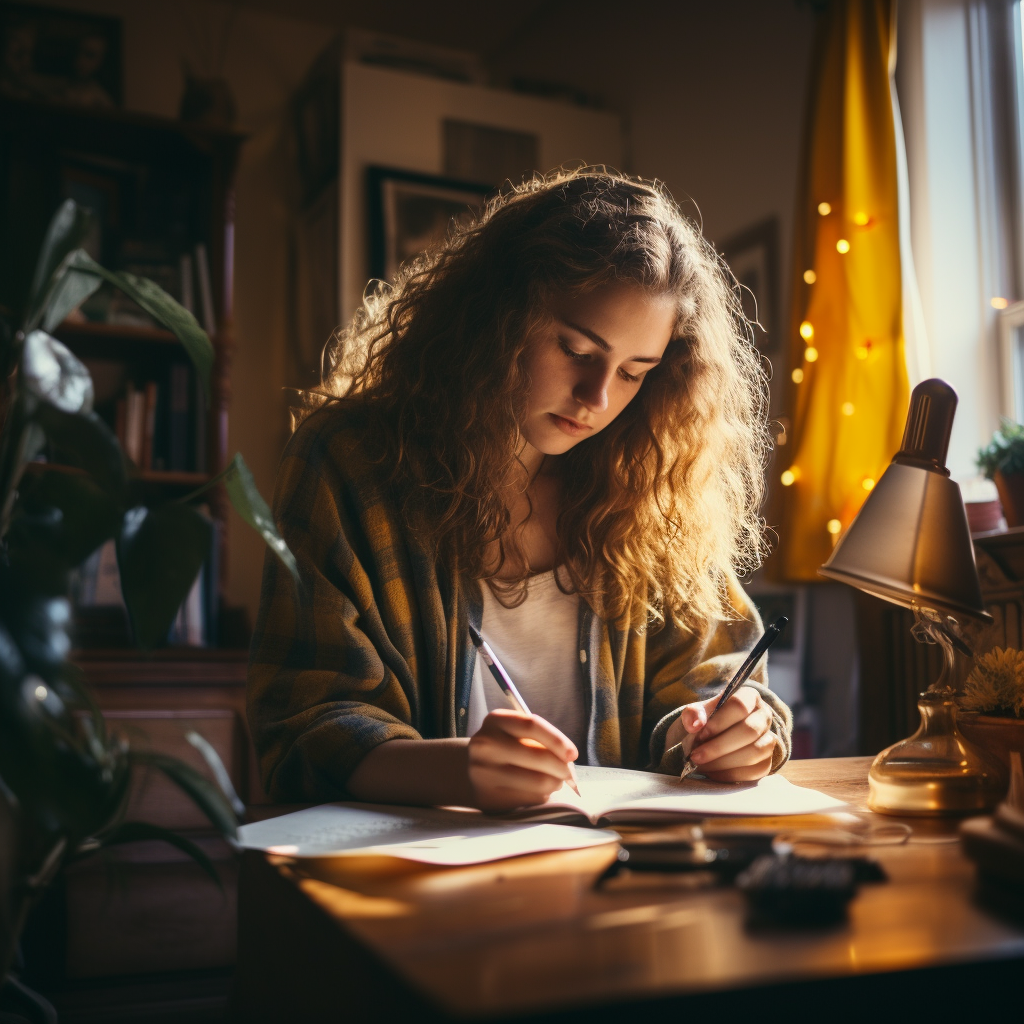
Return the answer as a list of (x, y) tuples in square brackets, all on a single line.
[(394, 120), (265, 59)]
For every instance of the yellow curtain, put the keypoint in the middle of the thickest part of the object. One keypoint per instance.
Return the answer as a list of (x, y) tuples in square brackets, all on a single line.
[(848, 388)]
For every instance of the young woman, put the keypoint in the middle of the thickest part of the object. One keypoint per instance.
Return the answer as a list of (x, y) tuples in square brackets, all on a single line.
[(550, 427)]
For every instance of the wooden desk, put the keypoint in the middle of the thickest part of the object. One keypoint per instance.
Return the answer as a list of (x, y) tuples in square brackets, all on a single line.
[(528, 937)]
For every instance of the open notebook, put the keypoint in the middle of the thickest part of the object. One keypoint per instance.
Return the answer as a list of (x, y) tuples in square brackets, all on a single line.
[(454, 836), (618, 796)]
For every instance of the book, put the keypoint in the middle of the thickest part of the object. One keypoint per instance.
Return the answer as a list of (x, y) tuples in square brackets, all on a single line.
[(620, 796), (178, 432), (610, 796), (149, 424), (209, 319)]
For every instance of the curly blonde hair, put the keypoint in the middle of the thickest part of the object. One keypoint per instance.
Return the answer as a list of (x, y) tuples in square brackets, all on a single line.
[(660, 509)]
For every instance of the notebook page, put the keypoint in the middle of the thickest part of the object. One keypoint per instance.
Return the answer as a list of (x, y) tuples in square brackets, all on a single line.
[(411, 833), (617, 793)]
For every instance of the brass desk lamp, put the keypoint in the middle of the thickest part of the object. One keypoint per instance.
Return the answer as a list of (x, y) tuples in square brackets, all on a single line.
[(910, 544)]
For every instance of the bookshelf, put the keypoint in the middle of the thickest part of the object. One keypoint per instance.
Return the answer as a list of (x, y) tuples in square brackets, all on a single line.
[(162, 196)]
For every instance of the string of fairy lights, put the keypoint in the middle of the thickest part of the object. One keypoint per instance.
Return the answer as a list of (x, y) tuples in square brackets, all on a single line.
[(810, 355)]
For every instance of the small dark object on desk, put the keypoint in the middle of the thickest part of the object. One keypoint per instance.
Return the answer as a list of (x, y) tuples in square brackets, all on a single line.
[(725, 856), (786, 889)]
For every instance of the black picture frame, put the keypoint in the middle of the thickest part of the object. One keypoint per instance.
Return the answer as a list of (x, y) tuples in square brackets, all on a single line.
[(753, 257), (410, 211), (60, 56)]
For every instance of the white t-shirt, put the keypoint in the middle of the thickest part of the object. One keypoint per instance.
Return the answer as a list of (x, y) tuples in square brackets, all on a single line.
[(537, 644)]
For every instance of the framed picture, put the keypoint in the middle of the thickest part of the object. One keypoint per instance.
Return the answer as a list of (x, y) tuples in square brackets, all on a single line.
[(63, 56), (410, 212), (753, 257)]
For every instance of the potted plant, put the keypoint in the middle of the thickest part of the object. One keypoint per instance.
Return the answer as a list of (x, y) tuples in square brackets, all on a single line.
[(1002, 461), (64, 778), (991, 706)]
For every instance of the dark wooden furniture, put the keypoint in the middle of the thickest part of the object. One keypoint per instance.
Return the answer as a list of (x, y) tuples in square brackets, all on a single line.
[(531, 938)]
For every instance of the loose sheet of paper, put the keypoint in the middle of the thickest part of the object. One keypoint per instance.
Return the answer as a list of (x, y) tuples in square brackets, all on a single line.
[(617, 793), (410, 833)]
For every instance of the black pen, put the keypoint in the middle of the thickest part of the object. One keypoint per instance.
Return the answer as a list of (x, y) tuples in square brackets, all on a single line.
[(771, 634), (502, 678)]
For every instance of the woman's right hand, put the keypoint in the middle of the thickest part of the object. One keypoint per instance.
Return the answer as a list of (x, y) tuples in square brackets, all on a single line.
[(517, 760)]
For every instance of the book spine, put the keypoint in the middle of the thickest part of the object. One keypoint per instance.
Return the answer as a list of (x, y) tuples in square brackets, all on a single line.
[(205, 290), (178, 419), (201, 419), (149, 424), (187, 294)]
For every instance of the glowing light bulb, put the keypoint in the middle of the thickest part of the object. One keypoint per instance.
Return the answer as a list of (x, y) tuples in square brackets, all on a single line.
[(40, 692), (807, 330), (842, 246), (868, 484), (797, 376), (810, 353), (847, 408), (862, 351), (998, 302), (824, 209), (860, 218), (810, 276), (833, 526), (788, 478)]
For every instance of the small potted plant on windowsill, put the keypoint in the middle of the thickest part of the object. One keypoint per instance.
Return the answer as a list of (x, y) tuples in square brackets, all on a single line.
[(991, 707), (1002, 461)]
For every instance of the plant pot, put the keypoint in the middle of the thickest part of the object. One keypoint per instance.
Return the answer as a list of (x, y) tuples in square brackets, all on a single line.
[(995, 734), (1011, 496)]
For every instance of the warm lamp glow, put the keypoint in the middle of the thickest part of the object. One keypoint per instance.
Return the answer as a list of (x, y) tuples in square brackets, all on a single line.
[(863, 351), (860, 218), (797, 375), (810, 353), (824, 209), (788, 478), (842, 246), (807, 330), (847, 408), (810, 276), (998, 302), (867, 483), (833, 526)]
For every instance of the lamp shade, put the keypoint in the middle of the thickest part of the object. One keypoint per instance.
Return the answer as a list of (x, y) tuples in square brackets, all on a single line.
[(910, 543)]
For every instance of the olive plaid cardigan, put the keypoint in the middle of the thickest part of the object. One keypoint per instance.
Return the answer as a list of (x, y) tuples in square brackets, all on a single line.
[(374, 645)]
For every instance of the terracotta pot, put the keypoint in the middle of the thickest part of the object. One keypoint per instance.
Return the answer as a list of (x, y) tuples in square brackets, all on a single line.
[(984, 516), (1011, 497), (999, 736)]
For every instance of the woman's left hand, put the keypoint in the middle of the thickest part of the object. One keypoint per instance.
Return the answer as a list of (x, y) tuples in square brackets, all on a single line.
[(735, 745)]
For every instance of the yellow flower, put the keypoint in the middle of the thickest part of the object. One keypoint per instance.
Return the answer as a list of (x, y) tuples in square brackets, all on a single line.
[(996, 683)]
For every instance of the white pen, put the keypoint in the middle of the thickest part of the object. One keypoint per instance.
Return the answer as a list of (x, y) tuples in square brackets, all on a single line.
[(502, 678)]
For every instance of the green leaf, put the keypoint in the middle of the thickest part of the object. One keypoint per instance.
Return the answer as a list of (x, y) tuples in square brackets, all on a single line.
[(250, 505), (219, 772), (159, 554), (52, 373), (204, 793), (88, 515), (162, 307), (68, 229), (89, 443), (139, 831), (71, 289)]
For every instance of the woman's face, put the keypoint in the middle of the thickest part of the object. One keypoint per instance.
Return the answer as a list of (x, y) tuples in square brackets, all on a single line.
[(588, 363)]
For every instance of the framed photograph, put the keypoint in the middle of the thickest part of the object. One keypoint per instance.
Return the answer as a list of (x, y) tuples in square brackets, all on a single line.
[(753, 257), (410, 212), (63, 56)]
